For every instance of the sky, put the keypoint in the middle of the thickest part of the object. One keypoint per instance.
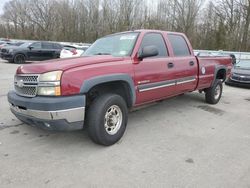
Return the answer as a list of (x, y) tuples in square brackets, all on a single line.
[(2, 2)]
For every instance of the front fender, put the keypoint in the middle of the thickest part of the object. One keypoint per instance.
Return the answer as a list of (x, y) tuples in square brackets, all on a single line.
[(90, 83)]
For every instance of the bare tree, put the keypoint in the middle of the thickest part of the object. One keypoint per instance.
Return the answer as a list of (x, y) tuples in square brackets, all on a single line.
[(223, 24)]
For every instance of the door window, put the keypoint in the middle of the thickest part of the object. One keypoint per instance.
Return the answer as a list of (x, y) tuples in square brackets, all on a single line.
[(179, 45), (155, 39), (47, 45), (36, 45)]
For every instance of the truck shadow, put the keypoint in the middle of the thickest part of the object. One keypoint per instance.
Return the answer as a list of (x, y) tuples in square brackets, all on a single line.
[(144, 116)]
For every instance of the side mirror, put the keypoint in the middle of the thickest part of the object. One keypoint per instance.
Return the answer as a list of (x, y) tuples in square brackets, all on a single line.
[(30, 47), (148, 51)]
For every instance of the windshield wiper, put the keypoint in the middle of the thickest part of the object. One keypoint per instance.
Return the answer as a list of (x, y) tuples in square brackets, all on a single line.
[(102, 54)]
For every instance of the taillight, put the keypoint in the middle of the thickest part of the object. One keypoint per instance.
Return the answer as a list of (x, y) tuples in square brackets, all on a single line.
[(74, 52)]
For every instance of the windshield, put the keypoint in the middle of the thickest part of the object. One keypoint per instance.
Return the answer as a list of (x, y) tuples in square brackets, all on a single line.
[(26, 44), (243, 64), (119, 45)]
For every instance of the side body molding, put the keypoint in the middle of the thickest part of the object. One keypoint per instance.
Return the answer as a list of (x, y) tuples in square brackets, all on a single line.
[(89, 83)]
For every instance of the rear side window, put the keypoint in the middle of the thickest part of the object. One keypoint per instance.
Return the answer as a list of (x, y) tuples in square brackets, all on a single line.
[(179, 45), (155, 39)]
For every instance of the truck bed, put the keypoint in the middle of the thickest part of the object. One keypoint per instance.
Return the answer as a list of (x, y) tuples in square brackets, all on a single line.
[(207, 68)]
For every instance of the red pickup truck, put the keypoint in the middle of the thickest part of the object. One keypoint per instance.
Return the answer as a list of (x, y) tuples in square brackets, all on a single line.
[(118, 72)]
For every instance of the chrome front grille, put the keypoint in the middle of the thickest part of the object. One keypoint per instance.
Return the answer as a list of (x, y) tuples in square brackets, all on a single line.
[(26, 84), (241, 78), (28, 79)]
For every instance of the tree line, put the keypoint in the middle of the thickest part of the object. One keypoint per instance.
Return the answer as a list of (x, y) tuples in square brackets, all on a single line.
[(215, 25)]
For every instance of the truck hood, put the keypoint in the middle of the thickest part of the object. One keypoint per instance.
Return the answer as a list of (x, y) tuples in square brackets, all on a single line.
[(65, 64)]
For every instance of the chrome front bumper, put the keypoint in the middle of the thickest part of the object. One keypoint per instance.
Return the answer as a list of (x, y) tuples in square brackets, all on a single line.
[(53, 113), (70, 115)]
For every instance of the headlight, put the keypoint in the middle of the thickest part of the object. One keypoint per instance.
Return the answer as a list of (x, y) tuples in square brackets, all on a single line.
[(49, 84), (51, 76)]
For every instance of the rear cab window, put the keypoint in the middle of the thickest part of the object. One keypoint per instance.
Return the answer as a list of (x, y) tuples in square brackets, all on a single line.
[(157, 40), (179, 45)]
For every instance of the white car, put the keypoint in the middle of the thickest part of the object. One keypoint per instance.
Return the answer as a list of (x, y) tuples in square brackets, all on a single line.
[(72, 51)]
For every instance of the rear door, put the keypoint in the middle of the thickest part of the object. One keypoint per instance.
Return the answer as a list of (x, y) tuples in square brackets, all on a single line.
[(48, 51), (184, 62), (154, 76)]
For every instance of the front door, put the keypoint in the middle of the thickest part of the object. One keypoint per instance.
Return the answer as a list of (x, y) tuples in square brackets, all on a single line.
[(34, 51), (154, 76)]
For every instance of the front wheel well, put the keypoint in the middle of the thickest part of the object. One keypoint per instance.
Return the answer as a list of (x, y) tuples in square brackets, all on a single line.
[(121, 88)]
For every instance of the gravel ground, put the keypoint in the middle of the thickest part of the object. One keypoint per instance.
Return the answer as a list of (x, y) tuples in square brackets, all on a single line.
[(180, 142)]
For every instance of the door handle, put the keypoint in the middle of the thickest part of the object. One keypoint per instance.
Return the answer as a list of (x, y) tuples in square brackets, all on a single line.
[(170, 65), (191, 63)]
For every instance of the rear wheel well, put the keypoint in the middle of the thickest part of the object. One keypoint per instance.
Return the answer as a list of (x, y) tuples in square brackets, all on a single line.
[(117, 87), (20, 53), (221, 75)]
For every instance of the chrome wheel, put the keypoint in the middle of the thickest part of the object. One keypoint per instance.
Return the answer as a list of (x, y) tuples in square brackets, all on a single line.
[(113, 120), (217, 92)]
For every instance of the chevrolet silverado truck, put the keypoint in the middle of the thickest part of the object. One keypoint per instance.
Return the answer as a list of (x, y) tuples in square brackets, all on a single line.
[(116, 74)]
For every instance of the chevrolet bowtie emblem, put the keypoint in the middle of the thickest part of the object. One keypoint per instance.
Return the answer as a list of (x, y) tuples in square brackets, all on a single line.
[(20, 83)]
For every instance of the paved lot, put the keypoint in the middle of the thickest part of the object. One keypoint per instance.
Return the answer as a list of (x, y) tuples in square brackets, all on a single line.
[(181, 142)]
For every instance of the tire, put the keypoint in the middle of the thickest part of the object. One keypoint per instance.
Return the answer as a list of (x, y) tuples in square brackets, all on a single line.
[(213, 94), (107, 119), (19, 59)]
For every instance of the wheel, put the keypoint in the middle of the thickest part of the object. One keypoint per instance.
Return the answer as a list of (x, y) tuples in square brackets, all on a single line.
[(19, 59), (213, 94), (107, 119)]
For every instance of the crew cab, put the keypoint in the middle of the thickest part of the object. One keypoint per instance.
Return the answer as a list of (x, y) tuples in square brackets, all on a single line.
[(117, 73)]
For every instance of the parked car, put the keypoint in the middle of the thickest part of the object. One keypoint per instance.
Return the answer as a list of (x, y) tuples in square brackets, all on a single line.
[(4, 43), (72, 51), (240, 75), (4, 39), (12, 43), (117, 73), (34, 51)]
